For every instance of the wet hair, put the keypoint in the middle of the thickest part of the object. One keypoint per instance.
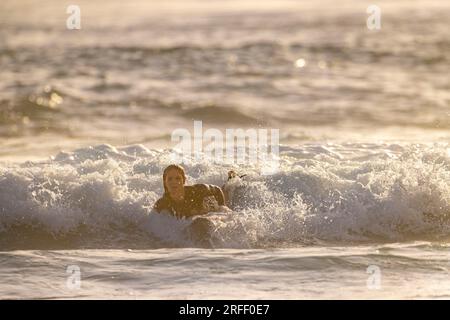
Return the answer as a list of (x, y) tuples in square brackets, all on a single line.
[(180, 170)]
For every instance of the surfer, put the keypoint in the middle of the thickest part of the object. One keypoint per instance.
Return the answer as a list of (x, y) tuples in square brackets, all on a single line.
[(187, 201)]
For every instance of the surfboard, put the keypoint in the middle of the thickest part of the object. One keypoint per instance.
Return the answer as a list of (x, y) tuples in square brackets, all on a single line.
[(201, 230)]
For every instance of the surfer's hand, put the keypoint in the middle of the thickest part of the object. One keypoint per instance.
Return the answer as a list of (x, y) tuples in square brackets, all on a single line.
[(224, 209), (210, 204)]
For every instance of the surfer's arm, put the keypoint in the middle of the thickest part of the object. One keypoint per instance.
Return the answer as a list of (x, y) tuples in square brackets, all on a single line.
[(218, 194), (206, 198), (162, 205), (220, 198)]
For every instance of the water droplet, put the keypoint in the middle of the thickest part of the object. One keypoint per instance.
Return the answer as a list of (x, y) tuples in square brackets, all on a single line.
[(300, 63)]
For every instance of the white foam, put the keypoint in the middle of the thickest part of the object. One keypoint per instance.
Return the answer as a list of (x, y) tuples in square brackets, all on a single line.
[(330, 192)]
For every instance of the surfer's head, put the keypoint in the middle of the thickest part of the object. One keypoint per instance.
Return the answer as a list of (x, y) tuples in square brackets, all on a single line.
[(174, 179)]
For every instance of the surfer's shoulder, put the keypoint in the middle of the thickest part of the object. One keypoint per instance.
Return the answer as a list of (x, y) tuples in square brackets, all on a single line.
[(199, 187), (202, 188)]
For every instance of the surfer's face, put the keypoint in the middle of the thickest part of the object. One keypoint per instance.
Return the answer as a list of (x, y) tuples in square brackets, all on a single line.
[(175, 183)]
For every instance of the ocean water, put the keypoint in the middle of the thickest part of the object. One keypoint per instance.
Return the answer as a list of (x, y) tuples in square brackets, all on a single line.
[(360, 205)]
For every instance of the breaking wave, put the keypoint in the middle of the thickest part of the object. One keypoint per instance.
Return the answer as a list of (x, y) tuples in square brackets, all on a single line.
[(102, 197)]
